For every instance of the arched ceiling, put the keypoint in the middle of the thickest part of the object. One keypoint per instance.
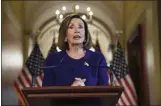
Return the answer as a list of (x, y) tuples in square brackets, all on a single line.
[(38, 12)]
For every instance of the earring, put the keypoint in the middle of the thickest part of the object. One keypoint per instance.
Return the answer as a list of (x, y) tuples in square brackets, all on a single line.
[(84, 41), (65, 40)]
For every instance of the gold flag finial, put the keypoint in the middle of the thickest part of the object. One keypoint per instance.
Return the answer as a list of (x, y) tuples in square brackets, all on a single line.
[(37, 33), (73, 8)]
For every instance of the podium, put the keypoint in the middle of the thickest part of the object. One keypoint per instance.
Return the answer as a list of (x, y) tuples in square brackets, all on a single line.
[(46, 96)]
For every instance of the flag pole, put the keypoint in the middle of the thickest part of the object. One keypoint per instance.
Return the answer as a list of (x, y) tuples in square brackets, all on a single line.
[(34, 80), (34, 74)]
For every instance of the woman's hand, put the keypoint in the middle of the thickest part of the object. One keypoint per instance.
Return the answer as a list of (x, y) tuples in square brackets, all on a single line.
[(79, 82)]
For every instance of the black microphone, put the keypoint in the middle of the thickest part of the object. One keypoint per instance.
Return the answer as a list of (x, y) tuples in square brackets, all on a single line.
[(111, 73), (39, 70), (61, 61)]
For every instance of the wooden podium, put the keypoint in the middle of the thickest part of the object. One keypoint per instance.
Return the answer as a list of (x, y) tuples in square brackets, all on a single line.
[(46, 96)]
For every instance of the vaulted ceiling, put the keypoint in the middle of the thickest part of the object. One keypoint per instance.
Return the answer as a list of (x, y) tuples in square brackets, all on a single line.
[(108, 12)]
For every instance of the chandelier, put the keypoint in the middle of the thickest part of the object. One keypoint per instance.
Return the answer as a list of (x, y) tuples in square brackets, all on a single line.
[(61, 14)]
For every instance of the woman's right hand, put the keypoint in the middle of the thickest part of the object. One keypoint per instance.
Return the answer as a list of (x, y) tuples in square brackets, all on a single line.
[(79, 82)]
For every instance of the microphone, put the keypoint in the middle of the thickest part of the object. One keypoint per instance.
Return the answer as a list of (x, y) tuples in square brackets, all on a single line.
[(61, 61), (38, 71), (108, 66)]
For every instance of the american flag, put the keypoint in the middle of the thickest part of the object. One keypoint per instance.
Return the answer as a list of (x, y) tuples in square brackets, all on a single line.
[(122, 77), (35, 61), (33, 64)]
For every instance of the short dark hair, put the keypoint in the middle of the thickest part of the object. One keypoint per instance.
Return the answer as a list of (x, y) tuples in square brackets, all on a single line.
[(63, 32)]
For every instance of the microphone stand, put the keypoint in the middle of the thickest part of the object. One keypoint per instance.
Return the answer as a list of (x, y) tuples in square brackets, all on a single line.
[(111, 78), (111, 75), (112, 47), (34, 79)]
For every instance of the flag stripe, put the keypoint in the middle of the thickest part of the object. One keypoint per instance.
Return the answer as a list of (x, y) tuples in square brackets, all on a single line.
[(109, 80), (27, 78), (28, 74), (21, 82), (121, 98), (18, 84), (24, 81), (39, 80), (120, 102), (37, 83), (18, 91), (124, 100), (132, 96), (129, 81), (125, 93), (41, 76), (128, 93)]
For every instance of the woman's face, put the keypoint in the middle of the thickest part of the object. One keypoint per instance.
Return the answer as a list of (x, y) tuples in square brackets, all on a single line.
[(76, 31)]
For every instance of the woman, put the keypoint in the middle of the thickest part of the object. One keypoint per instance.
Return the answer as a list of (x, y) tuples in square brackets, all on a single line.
[(75, 65)]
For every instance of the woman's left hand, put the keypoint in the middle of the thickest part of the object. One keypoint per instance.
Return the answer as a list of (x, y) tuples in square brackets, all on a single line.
[(79, 82)]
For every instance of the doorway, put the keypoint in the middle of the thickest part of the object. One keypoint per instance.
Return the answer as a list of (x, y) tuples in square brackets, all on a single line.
[(135, 49)]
